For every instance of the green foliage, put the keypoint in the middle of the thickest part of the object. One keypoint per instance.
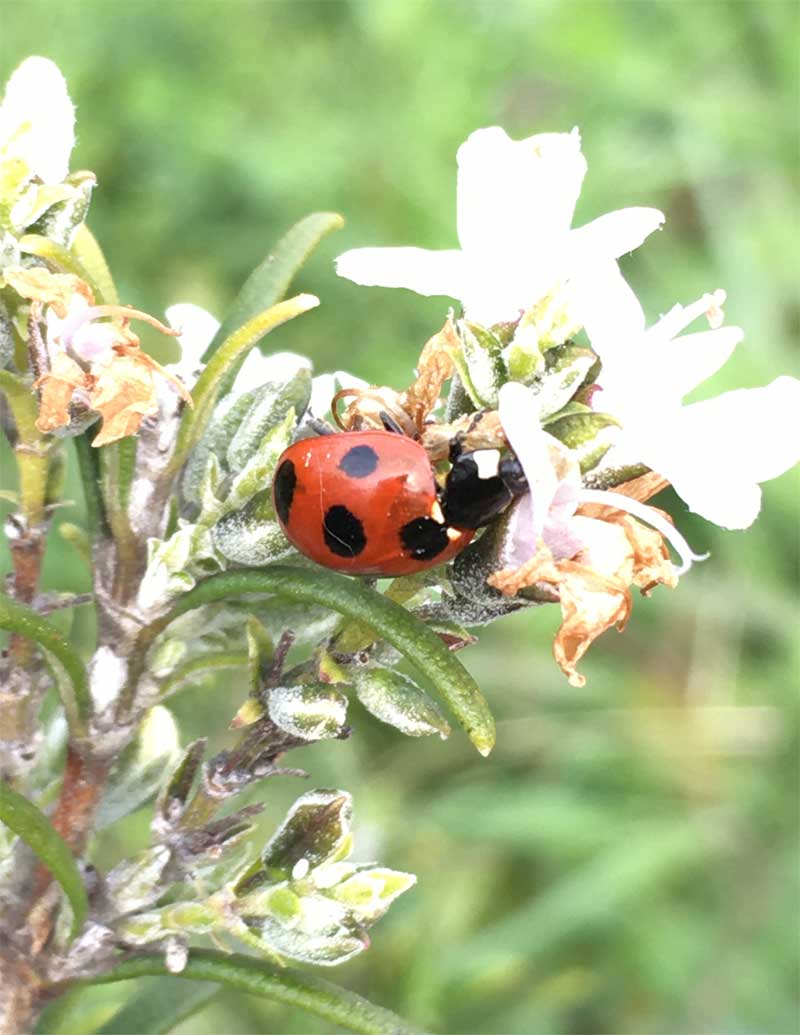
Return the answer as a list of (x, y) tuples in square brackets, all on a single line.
[(287, 986), (268, 283), (66, 663), (393, 623), (35, 829)]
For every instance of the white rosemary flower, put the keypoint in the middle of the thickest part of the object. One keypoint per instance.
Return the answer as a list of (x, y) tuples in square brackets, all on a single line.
[(715, 453), (516, 200), (37, 122)]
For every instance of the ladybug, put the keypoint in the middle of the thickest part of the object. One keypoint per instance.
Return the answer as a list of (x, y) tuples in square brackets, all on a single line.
[(368, 503)]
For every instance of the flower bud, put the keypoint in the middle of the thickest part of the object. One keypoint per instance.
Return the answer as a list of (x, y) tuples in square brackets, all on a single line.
[(316, 828), (252, 535), (311, 711), (397, 700), (565, 371), (588, 434), (135, 883), (480, 362), (369, 893)]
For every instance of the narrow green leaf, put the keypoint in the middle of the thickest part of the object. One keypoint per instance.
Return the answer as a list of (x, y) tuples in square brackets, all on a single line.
[(71, 677), (35, 829), (269, 282), (22, 403), (389, 620), (58, 255), (196, 669), (234, 348), (90, 255), (117, 467), (159, 1007), (280, 984), (89, 470)]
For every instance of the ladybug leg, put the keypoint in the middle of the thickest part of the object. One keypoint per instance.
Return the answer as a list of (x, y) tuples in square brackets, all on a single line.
[(390, 424), (456, 446), (320, 427), (510, 471), (480, 486)]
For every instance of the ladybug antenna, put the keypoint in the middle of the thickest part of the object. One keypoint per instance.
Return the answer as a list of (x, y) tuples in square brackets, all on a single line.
[(361, 393), (343, 393)]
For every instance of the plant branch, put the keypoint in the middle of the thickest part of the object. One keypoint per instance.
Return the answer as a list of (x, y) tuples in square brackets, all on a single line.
[(389, 620)]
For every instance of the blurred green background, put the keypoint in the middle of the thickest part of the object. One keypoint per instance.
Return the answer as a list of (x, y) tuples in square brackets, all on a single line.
[(626, 861)]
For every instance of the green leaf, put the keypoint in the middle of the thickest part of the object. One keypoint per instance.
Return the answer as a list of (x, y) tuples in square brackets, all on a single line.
[(269, 282), (310, 711), (35, 829), (56, 254), (589, 434), (181, 781), (70, 672), (316, 828), (252, 535), (271, 403), (197, 669), (60, 221), (139, 770), (89, 470), (159, 1007), (395, 699), (239, 423), (389, 620), (233, 349), (117, 467), (280, 984), (90, 255)]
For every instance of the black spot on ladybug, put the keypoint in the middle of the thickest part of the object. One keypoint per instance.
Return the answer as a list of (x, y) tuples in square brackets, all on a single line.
[(343, 532), (285, 482), (424, 538), (359, 462)]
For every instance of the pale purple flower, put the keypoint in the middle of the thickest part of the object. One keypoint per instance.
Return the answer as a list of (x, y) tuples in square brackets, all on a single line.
[(547, 513)]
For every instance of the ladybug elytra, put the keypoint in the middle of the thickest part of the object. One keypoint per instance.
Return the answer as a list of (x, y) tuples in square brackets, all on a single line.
[(367, 502)]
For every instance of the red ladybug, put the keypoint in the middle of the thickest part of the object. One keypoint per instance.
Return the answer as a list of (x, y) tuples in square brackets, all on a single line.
[(367, 502)]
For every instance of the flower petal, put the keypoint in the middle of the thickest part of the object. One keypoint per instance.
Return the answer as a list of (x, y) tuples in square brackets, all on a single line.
[(516, 194), (259, 369), (519, 415), (37, 119), (609, 310), (418, 269), (688, 361), (614, 234), (197, 328), (716, 452)]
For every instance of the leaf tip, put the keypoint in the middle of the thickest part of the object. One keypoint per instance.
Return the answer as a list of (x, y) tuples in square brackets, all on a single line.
[(305, 302)]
